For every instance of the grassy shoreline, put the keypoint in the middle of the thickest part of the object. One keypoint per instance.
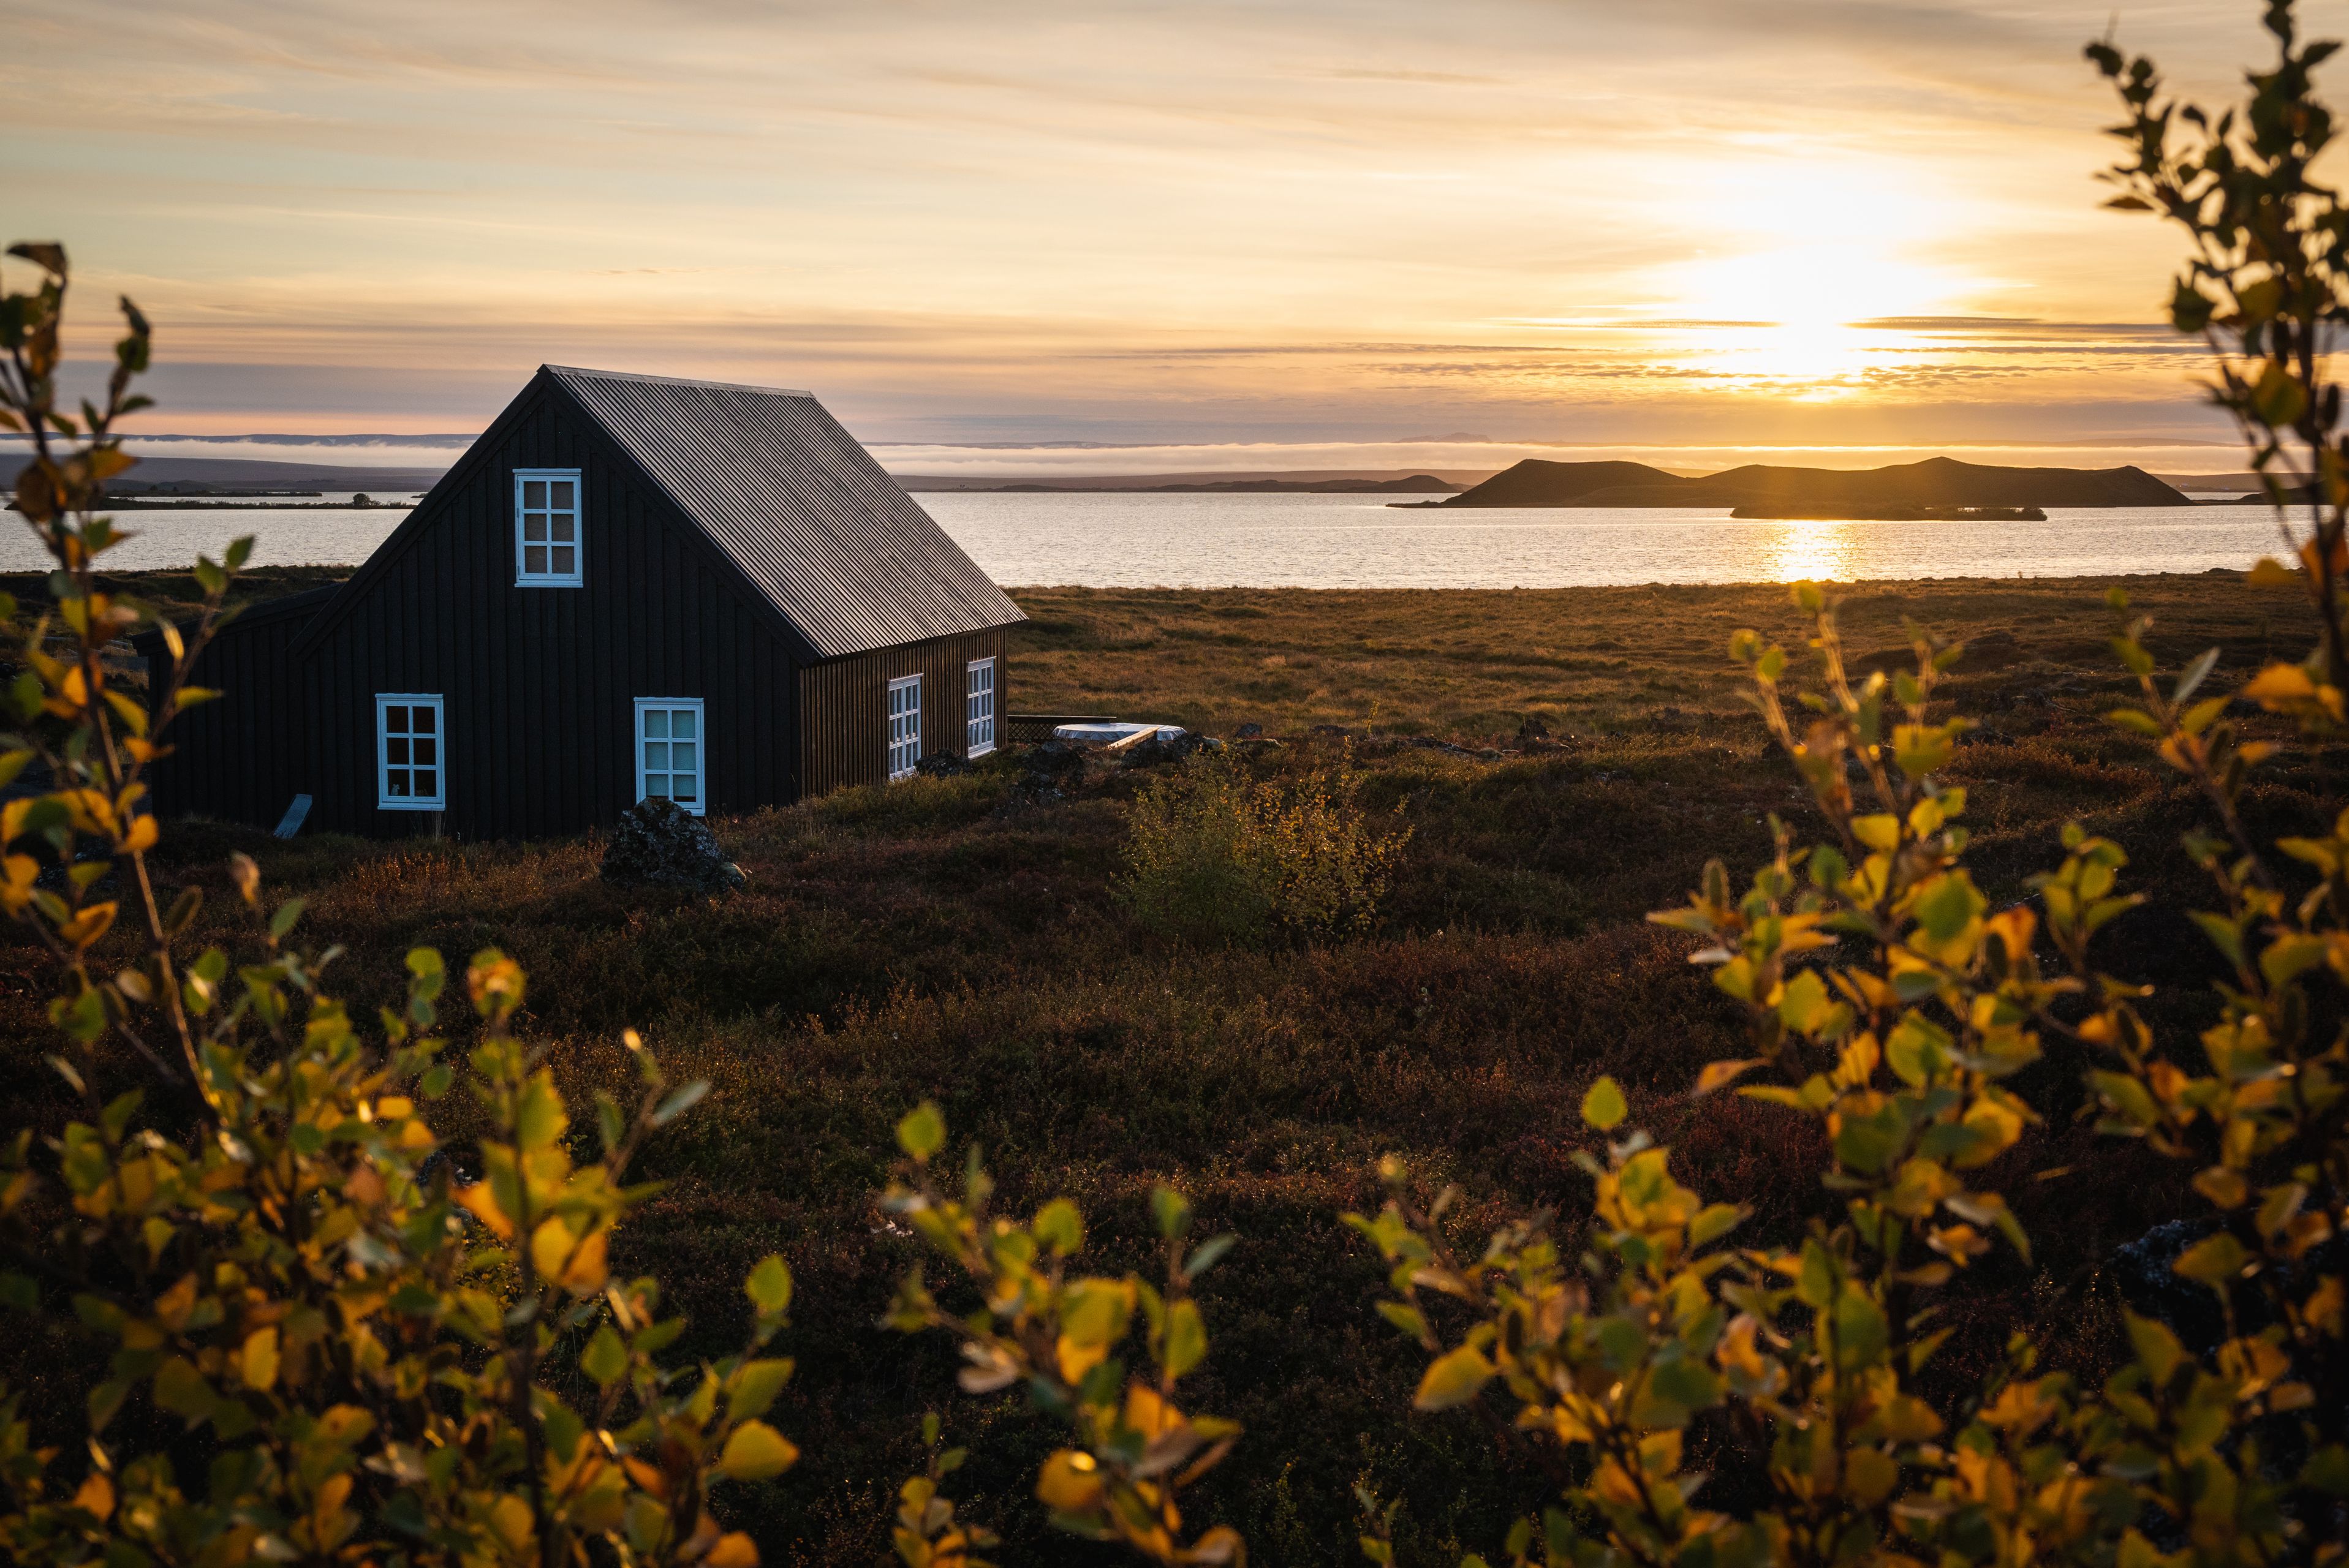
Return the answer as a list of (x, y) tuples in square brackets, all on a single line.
[(936, 940)]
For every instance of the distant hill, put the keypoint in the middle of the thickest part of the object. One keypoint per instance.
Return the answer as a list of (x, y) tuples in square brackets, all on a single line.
[(1259, 481), (1935, 482), (198, 475), (1415, 484)]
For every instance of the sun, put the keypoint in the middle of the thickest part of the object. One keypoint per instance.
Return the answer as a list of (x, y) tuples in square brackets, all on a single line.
[(1799, 251)]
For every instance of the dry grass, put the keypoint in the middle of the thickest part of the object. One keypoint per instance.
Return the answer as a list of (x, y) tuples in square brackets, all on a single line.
[(929, 940)]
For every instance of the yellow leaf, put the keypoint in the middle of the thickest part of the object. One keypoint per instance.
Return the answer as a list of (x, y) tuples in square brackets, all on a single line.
[(1870, 1475), (95, 1496), (511, 1519), (1070, 1482), (1453, 1379), (756, 1451), (2281, 683), (259, 1363), (734, 1550), (563, 1258), (1719, 1074), (483, 1204)]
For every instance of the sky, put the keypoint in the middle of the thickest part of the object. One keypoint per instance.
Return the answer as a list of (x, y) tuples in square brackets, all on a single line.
[(1019, 236)]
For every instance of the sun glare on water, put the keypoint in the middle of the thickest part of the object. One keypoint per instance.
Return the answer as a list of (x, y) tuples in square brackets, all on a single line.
[(1808, 552)]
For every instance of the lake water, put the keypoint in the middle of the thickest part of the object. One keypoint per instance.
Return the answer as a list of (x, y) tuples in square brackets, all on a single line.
[(1358, 542)]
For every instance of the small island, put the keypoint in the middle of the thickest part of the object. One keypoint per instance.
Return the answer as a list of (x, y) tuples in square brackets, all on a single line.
[(1782, 511)]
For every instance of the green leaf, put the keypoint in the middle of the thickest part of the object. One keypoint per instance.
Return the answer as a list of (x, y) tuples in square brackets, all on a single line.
[(1453, 1379), (1186, 1339), (2213, 1261), (1203, 1256), (605, 1358), (769, 1285), (1715, 1222), (1060, 1226), (680, 1101), (753, 1388), (1604, 1106), (2194, 675), (2158, 1349), (1861, 1331), (924, 1131), (756, 1451), (538, 1113), (1172, 1210), (1407, 1318), (283, 921)]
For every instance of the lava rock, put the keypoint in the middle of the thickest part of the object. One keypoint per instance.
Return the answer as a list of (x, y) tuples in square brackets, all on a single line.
[(1533, 729), (942, 764), (1050, 771), (660, 843), (1248, 732), (1163, 748)]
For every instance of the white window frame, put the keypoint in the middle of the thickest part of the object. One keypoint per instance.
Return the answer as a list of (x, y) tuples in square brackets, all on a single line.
[(977, 726), (909, 746), (577, 576), (699, 805), (384, 798)]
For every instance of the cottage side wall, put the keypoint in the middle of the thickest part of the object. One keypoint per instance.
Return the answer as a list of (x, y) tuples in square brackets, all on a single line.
[(239, 757), (846, 703), (539, 684)]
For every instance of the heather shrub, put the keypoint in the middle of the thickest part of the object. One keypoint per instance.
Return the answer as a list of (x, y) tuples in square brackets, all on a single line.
[(333, 1330), (1222, 857)]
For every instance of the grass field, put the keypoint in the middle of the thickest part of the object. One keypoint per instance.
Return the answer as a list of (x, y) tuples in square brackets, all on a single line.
[(933, 940)]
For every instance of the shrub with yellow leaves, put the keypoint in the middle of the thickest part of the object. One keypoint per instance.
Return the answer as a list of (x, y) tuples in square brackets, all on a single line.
[(1135, 1450), (363, 1327), (1891, 1005)]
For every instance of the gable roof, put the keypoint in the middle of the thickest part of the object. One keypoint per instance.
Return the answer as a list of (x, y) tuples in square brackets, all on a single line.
[(851, 560), (770, 480), (250, 613)]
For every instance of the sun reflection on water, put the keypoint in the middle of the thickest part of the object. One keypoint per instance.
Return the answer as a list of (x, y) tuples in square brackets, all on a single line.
[(1809, 551)]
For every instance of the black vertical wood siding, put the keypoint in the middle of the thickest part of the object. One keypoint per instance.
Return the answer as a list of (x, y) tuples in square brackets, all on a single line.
[(239, 757), (846, 705), (539, 684)]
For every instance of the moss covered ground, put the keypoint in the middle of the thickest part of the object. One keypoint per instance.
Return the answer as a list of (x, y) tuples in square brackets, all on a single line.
[(939, 940)]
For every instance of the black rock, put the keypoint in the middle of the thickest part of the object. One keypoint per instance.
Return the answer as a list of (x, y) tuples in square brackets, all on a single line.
[(1248, 732), (1163, 748), (1533, 729), (1054, 760), (942, 764), (660, 843)]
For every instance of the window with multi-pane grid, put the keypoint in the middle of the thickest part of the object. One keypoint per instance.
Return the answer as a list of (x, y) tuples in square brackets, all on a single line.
[(904, 727), (547, 543), (411, 764), (669, 750), (978, 707)]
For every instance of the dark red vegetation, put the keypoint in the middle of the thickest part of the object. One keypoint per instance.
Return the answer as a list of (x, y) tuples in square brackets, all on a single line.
[(939, 940)]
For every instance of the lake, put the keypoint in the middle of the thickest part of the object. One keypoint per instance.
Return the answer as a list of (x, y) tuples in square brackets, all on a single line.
[(1129, 540)]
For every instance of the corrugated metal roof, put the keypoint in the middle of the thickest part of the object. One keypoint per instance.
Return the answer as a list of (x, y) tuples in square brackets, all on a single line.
[(851, 560)]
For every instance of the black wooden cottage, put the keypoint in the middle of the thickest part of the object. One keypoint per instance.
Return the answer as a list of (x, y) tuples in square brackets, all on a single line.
[(630, 586)]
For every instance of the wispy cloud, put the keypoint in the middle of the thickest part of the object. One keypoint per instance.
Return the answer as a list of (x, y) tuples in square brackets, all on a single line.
[(1224, 215)]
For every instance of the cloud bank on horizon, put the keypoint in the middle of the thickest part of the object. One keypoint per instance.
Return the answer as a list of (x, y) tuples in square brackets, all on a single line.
[(1697, 223)]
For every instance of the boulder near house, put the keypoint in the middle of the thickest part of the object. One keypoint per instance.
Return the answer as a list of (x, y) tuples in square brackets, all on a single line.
[(630, 586)]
